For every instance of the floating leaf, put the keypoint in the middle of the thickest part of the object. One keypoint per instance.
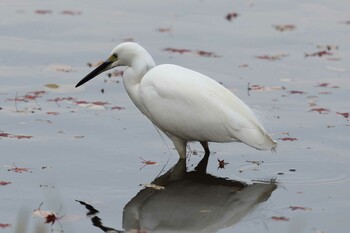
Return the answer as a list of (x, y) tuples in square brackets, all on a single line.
[(231, 16), (284, 27), (3, 183), (297, 92), (299, 208), (206, 54), (256, 87), (18, 169), (222, 164), (320, 110), (52, 86), (280, 218), (288, 139), (344, 114), (272, 57), (319, 54), (53, 113), (70, 12), (61, 68), (43, 12), (164, 29), (116, 73), (117, 108), (5, 225), (7, 135), (174, 50)]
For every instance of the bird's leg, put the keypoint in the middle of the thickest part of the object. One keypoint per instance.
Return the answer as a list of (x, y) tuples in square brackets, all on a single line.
[(180, 146), (206, 147), (202, 165)]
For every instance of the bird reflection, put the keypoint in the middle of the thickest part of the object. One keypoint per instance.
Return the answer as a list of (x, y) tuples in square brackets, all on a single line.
[(181, 201)]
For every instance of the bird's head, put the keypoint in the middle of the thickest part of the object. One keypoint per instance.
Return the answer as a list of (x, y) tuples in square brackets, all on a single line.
[(122, 55)]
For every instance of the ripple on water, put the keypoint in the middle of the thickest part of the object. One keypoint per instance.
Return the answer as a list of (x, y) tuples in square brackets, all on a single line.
[(299, 172)]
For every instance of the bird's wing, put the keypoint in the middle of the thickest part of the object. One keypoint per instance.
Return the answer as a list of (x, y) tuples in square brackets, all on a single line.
[(192, 106)]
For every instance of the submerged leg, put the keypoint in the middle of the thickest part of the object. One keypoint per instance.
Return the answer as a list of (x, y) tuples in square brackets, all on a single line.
[(202, 165)]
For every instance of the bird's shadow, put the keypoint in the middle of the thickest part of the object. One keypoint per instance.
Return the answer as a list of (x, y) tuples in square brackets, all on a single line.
[(181, 201)]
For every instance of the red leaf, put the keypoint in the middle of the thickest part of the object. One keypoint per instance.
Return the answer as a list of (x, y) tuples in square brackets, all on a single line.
[(147, 162), (344, 114), (319, 110), (322, 85), (181, 51), (5, 225), (51, 218), (81, 102), (318, 54), (4, 135), (231, 16), (100, 103), (299, 208), (222, 164), (7, 135), (288, 139), (3, 183), (281, 218), (19, 169)]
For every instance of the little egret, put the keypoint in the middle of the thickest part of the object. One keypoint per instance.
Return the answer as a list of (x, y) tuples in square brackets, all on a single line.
[(184, 104)]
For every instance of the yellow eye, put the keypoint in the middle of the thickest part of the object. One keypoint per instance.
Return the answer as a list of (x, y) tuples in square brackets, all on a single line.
[(113, 57)]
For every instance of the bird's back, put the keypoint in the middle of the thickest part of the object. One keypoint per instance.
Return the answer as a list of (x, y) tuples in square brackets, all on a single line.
[(192, 106)]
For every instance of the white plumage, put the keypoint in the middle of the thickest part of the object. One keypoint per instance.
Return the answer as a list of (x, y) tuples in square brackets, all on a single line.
[(184, 104)]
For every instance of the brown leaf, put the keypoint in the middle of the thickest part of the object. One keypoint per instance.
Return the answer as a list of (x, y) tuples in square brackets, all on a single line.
[(174, 50), (43, 12), (296, 92), (280, 218), (271, 57), (222, 164), (284, 27), (164, 29), (231, 16), (117, 108), (288, 139), (52, 86), (319, 54), (53, 113), (299, 208), (70, 12)]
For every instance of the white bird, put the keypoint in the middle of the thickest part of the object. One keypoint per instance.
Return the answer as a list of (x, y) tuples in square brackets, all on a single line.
[(184, 104)]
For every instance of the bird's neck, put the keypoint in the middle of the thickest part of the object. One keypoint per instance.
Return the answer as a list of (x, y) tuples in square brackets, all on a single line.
[(134, 73)]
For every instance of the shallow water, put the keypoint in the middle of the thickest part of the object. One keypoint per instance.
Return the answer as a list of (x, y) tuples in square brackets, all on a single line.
[(75, 146)]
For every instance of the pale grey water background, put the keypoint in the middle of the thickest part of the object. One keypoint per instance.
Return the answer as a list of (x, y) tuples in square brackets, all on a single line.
[(103, 166)]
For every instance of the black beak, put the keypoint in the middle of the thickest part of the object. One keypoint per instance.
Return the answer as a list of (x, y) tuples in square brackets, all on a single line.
[(101, 68)]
